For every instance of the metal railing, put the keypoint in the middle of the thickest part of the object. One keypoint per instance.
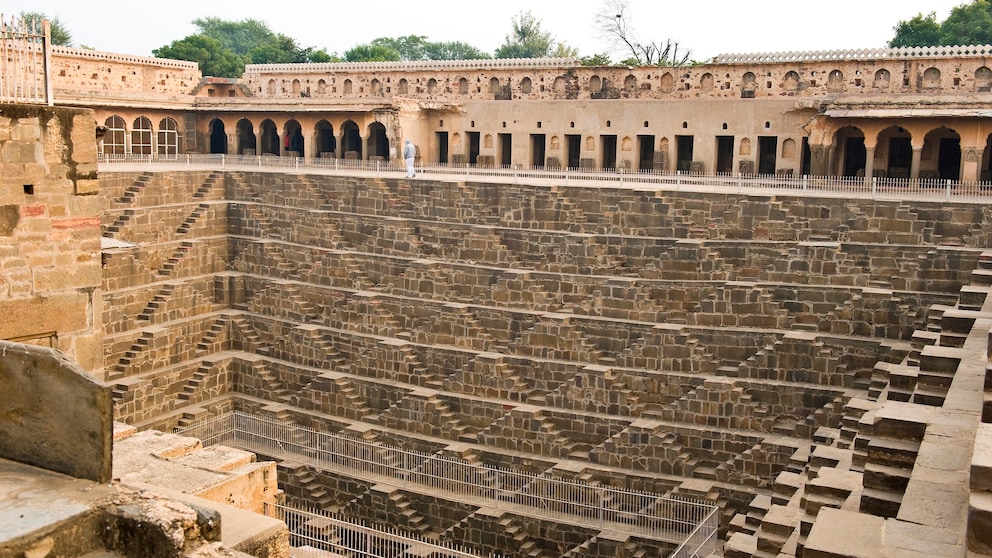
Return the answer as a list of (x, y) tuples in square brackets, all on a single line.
[(25, 59), (319, 534), (923, 189), (538, 495)]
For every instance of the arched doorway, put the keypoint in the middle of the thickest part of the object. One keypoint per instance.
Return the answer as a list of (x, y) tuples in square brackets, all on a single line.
[(941, 156), (247, 141), (268, 138), (378, 142), (218, 136), (351, 141), (327, 144), (851, 152), (293, 139), (895, 146)]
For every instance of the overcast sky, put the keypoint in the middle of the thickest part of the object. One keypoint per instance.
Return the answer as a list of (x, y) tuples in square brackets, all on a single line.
[(705, 27)]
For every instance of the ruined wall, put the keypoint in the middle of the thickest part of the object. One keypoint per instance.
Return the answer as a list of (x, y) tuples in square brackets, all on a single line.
[(50, 231), (76, 71)]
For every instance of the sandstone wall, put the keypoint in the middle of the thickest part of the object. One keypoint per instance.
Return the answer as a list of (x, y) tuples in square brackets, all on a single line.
[(50, 231)]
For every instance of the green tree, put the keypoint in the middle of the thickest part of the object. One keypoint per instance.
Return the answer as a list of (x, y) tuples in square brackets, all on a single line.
[(57, 32), (529, 40), (372, 53), (410, 47), (453, 50), (240, 37), (968, 24), (919, 31), (213, 58), (596, 60)]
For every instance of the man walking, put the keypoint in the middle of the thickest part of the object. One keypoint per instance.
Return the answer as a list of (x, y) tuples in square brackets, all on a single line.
[(409, 153)]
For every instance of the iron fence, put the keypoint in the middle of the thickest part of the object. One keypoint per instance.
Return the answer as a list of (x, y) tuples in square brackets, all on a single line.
[(923, 189), (539, 495), (319, 534), (25, 59)]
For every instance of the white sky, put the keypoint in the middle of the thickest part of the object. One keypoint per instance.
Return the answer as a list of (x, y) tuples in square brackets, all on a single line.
[(705, 27)]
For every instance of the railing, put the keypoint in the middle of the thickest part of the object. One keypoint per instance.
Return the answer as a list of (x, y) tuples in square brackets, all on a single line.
[(25, 59), (316, 533), (541, 496), (923, 189)]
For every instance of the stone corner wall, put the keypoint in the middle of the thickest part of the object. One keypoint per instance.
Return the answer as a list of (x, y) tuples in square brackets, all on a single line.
[(50, 231), (54, 415)]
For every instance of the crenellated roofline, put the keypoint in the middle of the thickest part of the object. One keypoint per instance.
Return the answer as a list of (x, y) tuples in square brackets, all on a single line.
[(420, 65), (956, 51)]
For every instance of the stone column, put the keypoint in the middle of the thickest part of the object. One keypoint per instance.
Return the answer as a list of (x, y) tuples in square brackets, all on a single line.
[(914, 167), (819, 163), (869, 164)]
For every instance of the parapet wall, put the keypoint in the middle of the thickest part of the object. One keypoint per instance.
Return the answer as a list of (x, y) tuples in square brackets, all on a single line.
[(50, 231)]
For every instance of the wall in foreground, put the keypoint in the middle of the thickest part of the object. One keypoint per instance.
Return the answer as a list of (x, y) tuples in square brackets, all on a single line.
[(50, 231)]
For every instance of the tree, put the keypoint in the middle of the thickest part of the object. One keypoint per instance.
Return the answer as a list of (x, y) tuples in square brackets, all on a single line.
[(410, 47), (596, 60), (237, 43), (417, 47), (528, 40), (213, 58), (967, 24), (57, 32), (372, 53), (919, 31), (614, 23), (240, 37), (453, 50)]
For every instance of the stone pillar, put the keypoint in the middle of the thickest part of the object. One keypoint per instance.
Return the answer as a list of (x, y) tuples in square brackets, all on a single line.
[(869, 164), (819, 163), (310, 146), (914, 167)]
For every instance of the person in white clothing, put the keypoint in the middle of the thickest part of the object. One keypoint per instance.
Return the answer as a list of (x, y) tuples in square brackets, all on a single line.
[(409, 153)]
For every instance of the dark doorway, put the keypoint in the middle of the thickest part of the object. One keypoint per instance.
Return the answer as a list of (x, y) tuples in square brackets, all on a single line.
[(900, 156), (218, 137), (609, 151), (473, 148), (537, 150), (442, 147), (683, 161), (505, 150), (949, 160), (804, 165), (645, 153), (855, 156), (351, 141), (725, 154), (574, 142), (767, 154)]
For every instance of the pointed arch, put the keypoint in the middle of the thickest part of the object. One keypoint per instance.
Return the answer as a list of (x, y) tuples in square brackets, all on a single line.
[(247, 142)]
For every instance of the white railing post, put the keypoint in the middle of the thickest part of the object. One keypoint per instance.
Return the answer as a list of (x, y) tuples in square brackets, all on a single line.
[(948, 190), (874, 187)]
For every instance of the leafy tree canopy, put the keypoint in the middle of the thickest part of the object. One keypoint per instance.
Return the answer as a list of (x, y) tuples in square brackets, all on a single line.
[(417, 47), (236, 43), (213, 58), (967, 24), (529, 40), (372, 53), (59, 34)]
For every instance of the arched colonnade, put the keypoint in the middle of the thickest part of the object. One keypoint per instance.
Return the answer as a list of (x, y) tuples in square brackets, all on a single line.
[(914, 149), (342, 138)]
